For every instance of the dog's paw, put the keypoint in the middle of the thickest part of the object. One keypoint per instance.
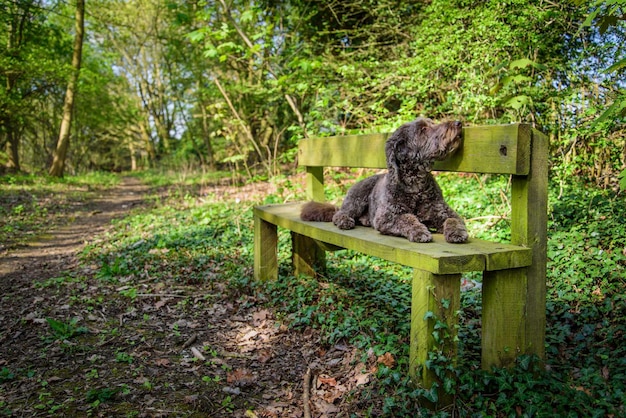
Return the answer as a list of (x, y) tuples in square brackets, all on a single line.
[(456, 236), (454, 231), (420, 235), (343, 221)]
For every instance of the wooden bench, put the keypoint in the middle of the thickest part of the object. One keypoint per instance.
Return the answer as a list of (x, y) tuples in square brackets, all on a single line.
[(513, 311)]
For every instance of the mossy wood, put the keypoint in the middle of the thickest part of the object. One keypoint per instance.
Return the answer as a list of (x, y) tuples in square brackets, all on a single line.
[(434, 309), (437, 257), (502, 149), (514, 274)]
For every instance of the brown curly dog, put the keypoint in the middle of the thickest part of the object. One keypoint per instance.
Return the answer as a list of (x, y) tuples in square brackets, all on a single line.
[(406, 201)]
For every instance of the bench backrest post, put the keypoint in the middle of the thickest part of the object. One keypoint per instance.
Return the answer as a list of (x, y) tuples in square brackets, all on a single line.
[(529, 219), (315, 183)]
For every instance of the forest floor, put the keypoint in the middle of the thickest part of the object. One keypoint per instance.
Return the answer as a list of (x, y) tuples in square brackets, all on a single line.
[(73, 344)]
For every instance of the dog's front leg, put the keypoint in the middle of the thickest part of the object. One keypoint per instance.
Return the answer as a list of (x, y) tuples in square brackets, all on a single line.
[(405, 225), (454, 230)]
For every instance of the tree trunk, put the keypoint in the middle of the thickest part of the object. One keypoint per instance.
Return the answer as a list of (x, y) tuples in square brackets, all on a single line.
[(206, 134), (58, 162)]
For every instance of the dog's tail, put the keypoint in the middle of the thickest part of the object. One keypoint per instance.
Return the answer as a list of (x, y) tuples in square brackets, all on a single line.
[(318, 212)]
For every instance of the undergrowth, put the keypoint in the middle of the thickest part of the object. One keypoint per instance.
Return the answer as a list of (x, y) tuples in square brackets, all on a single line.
[(366, 301)]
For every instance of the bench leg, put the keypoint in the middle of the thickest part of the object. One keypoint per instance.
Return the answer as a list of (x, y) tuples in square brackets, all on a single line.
[(434, 325), (265, 250), (504, 317), (308, 257)]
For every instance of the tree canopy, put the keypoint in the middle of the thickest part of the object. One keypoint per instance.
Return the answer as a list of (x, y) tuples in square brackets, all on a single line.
[(237, 83)]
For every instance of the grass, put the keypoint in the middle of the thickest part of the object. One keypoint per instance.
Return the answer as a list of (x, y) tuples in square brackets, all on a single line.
[(366, 301)]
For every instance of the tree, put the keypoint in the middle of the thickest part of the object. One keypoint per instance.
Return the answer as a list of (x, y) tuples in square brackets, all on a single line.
[(29, 72), (608, 15), (58, 162)]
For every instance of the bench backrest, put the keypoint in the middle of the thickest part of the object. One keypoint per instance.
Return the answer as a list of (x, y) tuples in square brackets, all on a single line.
[(498, 149), (515, 149), (503, 149)]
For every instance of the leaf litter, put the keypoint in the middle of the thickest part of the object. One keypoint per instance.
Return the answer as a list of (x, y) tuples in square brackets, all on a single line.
[(153, 348)]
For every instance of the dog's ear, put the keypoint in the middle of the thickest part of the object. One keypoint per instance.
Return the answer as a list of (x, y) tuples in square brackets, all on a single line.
[(397, 146)]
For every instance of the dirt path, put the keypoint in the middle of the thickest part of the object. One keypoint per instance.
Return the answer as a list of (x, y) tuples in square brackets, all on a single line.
[(55, 251)]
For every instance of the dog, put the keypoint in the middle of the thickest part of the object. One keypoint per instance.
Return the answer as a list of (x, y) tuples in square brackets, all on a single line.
[(406, 201)]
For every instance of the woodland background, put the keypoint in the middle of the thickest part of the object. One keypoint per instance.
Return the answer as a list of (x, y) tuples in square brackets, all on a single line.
[(236, 84), (188, 95)]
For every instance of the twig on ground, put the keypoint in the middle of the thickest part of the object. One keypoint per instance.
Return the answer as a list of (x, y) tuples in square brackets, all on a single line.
[(305, 393), (190, 341)]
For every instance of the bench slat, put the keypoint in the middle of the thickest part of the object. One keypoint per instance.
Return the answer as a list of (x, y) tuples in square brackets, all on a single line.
[(503, 149), (437, 257)]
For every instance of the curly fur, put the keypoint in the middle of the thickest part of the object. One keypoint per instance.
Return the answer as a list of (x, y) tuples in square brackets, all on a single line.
[(406, 201)]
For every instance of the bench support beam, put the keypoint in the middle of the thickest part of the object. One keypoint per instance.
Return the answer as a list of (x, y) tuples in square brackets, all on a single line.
[(309, 258), (504, 330), (436, 300), (265, 250)]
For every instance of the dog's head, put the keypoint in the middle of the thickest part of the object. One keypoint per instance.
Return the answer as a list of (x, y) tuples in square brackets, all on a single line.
[(416, 145)]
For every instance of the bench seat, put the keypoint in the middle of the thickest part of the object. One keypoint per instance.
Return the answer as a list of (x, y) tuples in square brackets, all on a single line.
[(437, 257)]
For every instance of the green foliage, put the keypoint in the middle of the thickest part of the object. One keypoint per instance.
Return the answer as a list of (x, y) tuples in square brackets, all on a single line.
[(587, 251), (236, 84), (122, 357), (334, 304), (6, 375), (62, 331), (101, 395)]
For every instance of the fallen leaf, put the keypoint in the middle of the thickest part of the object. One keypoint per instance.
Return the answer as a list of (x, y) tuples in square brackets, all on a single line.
[(163, 362), (197, 354), (387, 359), (324, 407), (240, 377), (161, 303), (259, 317), (326, 380), (264, 355), (362, 378)]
